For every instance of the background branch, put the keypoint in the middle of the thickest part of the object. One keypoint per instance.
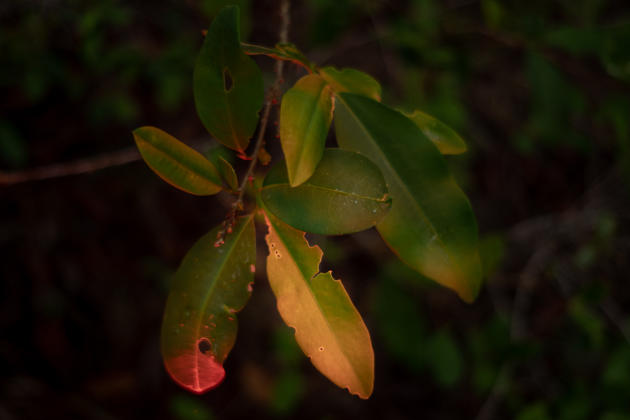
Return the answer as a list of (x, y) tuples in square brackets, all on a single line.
[(272, 95)]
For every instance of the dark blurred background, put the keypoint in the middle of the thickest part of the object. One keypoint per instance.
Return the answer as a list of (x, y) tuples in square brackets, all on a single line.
[(539, 89)]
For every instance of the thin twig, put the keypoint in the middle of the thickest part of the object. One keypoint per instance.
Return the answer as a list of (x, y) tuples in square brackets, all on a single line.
[(528, 279), (131, 154), (272, 95), (83, 166), (545, 234)]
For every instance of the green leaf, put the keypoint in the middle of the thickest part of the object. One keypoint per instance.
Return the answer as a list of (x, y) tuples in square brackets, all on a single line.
[(188, 407), (430, 225), (401, 325), (535, 411), (346, 194), (211, 285), (222, 157), (305, 117), (353, 81), (288, 390), (282, 51), (253, 49), (327, 326), (176, 163), (228, 85), (445, 138), (444, 359), (228, 173), (291, 52)]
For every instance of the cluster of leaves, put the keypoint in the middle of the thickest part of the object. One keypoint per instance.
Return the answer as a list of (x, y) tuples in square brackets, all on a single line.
[(388, 172)]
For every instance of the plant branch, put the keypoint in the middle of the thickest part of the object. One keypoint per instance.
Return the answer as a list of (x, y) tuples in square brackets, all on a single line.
[(82, 166), (272, 95)]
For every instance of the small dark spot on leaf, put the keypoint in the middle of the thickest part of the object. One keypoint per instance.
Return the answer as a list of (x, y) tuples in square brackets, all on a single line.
[(204, 345), (227, 80)]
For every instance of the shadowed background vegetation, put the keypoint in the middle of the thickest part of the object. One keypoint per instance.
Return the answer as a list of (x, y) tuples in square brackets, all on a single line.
[(540, 91)]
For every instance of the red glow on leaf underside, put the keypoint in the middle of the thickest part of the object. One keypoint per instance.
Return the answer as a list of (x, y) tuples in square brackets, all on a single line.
[(196, 372)]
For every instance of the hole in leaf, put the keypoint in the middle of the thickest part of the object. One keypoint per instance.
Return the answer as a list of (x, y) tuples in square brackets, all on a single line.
[(227, 80), (204, 345)]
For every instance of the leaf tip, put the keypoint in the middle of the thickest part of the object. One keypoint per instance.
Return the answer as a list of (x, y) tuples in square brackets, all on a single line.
[(469, 294), (197, 373)]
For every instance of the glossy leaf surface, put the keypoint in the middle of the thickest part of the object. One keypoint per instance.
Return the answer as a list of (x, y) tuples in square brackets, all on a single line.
[(327, 326), (228, 85), (347, 193), (431, 225), (176, 163), (353, 81), (210, 286), (305, 117), (444, 137)]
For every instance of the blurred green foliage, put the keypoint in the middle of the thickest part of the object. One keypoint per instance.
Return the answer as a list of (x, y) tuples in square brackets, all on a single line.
[(187, 407), (539, 91), (289, 387)]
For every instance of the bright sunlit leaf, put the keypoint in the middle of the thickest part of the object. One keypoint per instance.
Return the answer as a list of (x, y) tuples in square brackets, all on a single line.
[(327, 326), (228, 85), (431, 225), (211, 285), (347, 193), (353, 81), (444, 137), (305, 117), (176, 163)]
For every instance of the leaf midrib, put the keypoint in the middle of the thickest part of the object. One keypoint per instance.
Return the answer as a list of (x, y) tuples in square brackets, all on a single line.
[(310, 291), (311, 120), (399, 180), (165, 154), (210, 291), (332, 190)]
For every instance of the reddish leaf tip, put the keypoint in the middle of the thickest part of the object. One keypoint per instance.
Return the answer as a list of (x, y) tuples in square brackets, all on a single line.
[(196, 373)]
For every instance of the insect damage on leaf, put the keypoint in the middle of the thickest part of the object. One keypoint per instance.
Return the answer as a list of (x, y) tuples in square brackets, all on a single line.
[(328, 327), (388, 174), (211, 285), (227, 84)]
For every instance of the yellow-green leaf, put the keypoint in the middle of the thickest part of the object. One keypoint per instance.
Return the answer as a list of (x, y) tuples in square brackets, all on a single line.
[(227, 84), (444, 137), (327, 326), (212, 284), (176, 163), (305, 117), (431, 225), (346, 194), (353, 81)]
